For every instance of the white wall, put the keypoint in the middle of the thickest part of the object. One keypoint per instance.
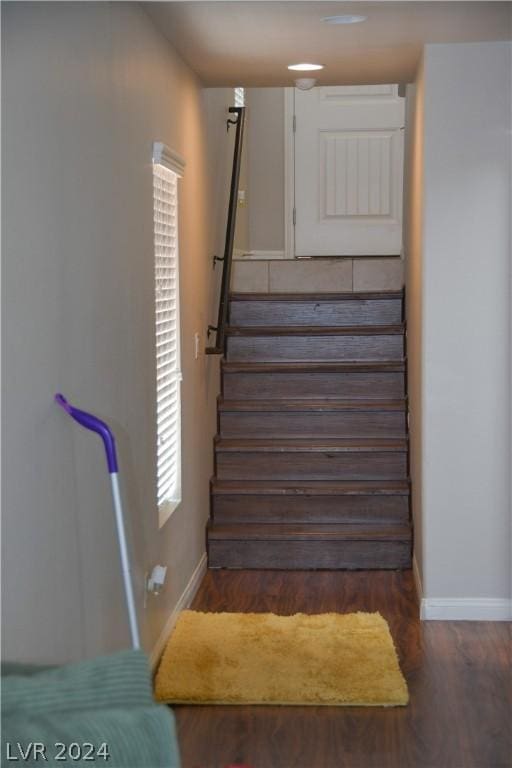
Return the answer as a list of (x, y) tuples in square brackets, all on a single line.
[(87, 88), (463, 252)]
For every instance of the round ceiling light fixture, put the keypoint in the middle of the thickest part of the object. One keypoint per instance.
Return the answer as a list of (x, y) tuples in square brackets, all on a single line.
[(347, 18), (304, 67), (305, 83)]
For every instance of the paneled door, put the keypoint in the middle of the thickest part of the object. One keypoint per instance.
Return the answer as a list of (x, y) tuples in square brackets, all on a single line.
[(348, 171)]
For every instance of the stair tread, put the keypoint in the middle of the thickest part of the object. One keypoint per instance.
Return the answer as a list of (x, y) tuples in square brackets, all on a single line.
[(310, 487), (311, 445), (315, 330), (380, 366), (312, 404), (360, 296), (312, 532)]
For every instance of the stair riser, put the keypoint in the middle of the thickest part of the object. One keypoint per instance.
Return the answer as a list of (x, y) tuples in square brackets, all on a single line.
[(321, 313), (326, 348), (267, 386), (311, 466), (243, 508), (312, 424), (299, 555)]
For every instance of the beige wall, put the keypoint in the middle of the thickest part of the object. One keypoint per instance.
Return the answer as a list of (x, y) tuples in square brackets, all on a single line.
[(87, 88), (265, 154), (413, 252)]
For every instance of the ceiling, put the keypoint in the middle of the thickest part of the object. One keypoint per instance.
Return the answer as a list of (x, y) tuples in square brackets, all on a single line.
[(251, 42)]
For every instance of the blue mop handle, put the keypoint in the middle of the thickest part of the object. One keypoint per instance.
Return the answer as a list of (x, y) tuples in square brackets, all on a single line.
[(94, 424)]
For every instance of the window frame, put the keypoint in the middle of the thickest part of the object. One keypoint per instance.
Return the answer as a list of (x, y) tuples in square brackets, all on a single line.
[(169, 161)]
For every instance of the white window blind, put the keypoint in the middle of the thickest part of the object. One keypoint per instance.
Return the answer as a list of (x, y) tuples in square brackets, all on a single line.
[(239, 97), (166, 171)]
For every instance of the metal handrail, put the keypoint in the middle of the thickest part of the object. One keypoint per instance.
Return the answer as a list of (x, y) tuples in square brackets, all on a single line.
[(222, 319)]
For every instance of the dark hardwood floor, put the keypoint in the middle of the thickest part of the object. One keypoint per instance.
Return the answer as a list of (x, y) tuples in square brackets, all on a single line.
[(459, 677)]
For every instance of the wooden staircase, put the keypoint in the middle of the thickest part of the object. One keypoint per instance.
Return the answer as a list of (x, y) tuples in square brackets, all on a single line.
[(311, 456)]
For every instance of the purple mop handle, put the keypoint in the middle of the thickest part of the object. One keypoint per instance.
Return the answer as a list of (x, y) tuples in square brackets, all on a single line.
[(91, 422)]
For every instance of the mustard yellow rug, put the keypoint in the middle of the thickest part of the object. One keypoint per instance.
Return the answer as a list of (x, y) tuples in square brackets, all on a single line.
[(261, 658)]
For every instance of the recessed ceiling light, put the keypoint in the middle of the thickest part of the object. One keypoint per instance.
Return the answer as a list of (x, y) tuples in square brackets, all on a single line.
[(305, 67), (344, 19)]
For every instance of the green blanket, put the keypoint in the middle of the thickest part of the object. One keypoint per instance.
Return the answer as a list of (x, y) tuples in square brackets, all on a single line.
[(93, 713)]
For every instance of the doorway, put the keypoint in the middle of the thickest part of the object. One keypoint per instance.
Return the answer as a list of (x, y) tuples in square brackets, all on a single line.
[(322, 173), (347, 170)]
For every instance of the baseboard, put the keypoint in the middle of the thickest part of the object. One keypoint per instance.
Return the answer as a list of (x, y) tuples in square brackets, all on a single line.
[(465, 609), (417, 581), (259, 255), (459, 608), (184, 602)]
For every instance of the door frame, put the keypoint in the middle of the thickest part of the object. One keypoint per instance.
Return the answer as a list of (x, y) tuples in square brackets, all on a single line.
[(289, 173)]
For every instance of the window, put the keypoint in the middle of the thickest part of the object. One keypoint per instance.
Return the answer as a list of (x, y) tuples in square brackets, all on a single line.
[(167, 169), (239, 97)]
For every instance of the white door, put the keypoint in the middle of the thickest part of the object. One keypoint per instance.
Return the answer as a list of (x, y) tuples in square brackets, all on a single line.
[(348, 171)]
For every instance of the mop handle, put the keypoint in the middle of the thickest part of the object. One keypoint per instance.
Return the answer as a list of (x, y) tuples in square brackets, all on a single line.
[(91, 422), (94, 424)]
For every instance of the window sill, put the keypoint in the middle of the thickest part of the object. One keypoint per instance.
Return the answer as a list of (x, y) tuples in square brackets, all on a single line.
[(166, 510)]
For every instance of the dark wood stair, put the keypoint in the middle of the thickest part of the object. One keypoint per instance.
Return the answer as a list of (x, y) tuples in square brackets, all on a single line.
[(312, 418), (308, 546), (336, 380), (311, 459), (306, 501), (311, 456), (347, 309), (302, 342)]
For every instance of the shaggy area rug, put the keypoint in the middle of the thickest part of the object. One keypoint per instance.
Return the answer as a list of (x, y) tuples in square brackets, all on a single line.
[(260, 658)]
